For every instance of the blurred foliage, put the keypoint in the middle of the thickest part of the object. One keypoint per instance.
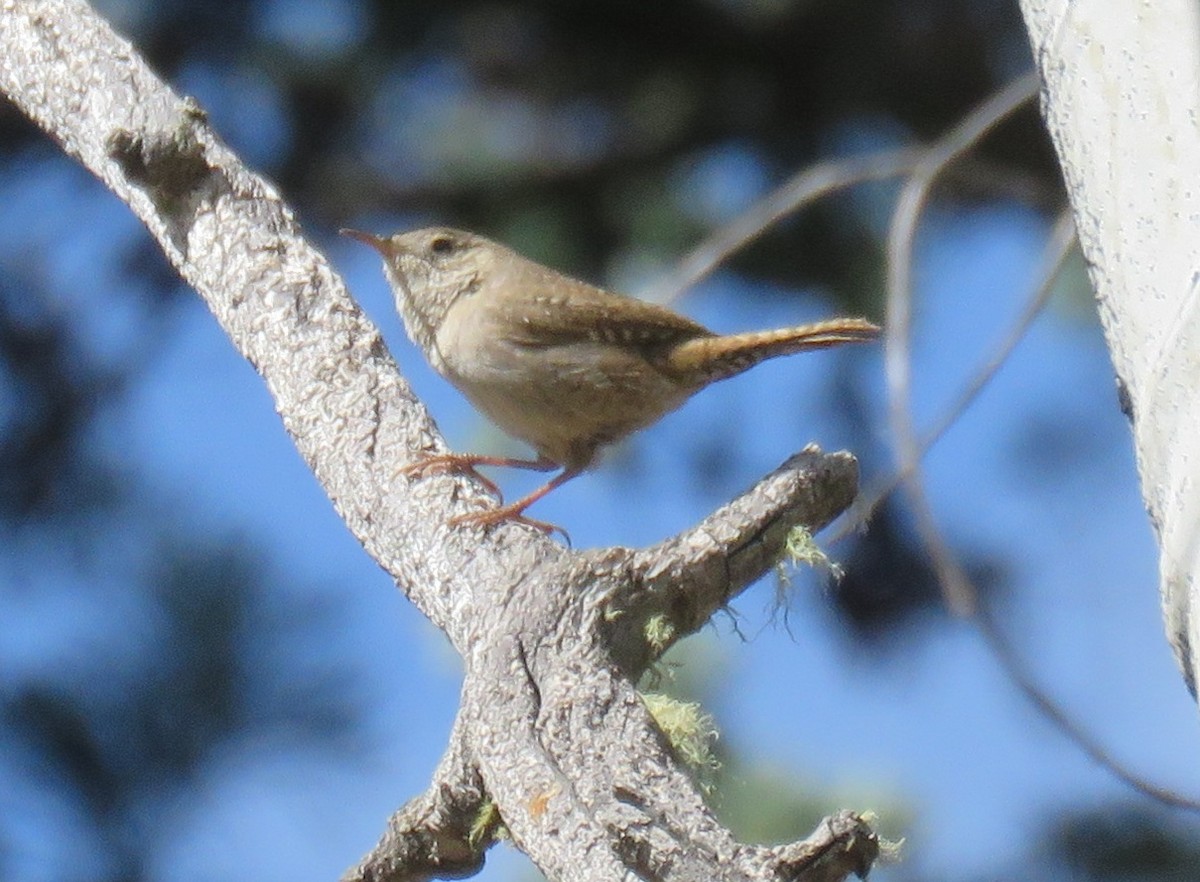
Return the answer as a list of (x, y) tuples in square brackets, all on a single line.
[(56, 389), (1115, 843), (187, 646), (1123, 843), (125, 737), (585, 130)]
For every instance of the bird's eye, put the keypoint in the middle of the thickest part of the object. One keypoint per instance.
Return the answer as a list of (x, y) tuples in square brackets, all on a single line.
[(442, 245)]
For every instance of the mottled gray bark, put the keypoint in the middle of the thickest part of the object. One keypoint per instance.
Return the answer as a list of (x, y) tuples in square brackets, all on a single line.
[(551, 736)]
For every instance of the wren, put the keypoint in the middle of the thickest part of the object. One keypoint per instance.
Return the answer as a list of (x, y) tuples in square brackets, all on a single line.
[(560, 364)]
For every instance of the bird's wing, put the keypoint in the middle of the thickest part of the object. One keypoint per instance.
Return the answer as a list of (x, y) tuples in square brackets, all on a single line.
[(570, 311)]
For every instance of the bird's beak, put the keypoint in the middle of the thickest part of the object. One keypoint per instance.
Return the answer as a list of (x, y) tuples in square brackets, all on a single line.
[(379, 243)]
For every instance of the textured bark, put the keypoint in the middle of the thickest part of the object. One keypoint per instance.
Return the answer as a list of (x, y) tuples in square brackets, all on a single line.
[(551, 737), (1122, 102)]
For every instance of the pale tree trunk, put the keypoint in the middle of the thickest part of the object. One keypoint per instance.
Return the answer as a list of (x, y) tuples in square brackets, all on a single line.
[(1122, 101), (551, 735)]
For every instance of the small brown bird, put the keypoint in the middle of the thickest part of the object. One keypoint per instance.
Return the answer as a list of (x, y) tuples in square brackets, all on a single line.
[(563, 365)]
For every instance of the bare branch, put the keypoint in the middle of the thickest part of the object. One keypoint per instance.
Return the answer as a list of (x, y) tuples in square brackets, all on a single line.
[(1052, 710), (806, 186), (683, 581), (436, 834), (841, 845), (897, 357), (1054, 255)]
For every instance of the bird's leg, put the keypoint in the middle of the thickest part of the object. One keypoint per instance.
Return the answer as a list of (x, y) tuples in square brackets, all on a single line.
[(465, 463), (515, 511)]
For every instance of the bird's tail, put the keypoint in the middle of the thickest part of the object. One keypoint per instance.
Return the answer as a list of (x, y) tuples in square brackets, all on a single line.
[(719, 357)]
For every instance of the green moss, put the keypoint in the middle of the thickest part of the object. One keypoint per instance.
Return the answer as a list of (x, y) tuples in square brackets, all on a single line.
[(487, 826), (802, 549), (659, 631), (689, 731)]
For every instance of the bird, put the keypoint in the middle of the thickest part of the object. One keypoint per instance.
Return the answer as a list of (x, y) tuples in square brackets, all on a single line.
[(563, 365)]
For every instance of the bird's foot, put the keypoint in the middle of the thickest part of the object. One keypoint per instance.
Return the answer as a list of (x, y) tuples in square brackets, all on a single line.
[(513, 514), (453, 464)]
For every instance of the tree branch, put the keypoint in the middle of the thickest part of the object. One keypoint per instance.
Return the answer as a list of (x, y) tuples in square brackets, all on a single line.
[(671, 589), (437, 834), (1122, 103)]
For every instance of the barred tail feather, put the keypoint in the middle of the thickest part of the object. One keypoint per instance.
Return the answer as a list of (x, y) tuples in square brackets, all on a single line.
[(719, 357)]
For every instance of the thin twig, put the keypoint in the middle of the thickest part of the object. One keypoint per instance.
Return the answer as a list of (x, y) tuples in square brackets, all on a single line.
[(1058, 248), (802, 188), (959, 593), (898, 324), (1074, 731)]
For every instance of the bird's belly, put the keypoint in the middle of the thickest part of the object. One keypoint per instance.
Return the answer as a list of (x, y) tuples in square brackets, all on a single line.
[(566, 401)]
